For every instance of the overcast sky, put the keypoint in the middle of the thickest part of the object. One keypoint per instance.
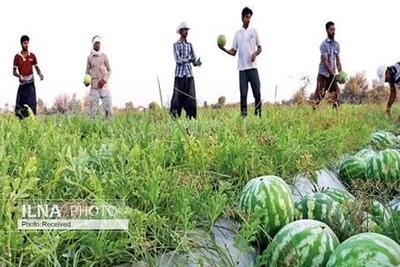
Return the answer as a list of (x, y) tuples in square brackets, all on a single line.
[(138, 38)]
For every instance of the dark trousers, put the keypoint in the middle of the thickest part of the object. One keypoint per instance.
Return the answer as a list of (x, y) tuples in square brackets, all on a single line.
[(184, 96), (325, 84), (26, 95), (246, 77)]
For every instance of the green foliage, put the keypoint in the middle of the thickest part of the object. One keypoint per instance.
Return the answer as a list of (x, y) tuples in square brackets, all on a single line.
[(173, 175)]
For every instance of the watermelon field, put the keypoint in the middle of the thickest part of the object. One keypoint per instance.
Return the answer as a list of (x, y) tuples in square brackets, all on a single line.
[(178, 179)]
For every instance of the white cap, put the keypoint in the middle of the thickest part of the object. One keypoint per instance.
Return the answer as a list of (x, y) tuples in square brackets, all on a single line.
[(381, 72), (181, 26), (96, 39)]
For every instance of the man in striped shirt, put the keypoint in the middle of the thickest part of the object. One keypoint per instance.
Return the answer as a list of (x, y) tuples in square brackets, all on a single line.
[(184, 95), (23, 70), (390, 75)]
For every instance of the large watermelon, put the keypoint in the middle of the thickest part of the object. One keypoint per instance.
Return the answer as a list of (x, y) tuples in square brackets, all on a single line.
[(367, 249), (352, 167), (385, 165), (343, 197), (269, 199), (321, 207), (382, 140), (303, 243)]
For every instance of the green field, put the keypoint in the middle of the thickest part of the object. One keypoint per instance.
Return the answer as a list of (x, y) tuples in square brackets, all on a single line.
[(174, 176)]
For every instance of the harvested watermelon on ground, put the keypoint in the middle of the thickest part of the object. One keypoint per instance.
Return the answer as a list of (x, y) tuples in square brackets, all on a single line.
[(303, 243), (367, 249), (380, 213), (352, 167), (382, 140), (366, 154), (321, 207), (269, 199), (385, 165), (343, 197)]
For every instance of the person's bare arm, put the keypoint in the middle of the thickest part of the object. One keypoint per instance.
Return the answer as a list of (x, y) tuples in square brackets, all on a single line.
[(253, 56), (231, 51), (338, 63), (392, 98), (39, 72)]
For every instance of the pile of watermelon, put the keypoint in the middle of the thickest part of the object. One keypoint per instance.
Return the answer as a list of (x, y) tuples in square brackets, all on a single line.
[(381, 161), (308, 232)]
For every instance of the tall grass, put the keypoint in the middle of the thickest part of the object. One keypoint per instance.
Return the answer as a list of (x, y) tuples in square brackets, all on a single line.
[(173, 175)]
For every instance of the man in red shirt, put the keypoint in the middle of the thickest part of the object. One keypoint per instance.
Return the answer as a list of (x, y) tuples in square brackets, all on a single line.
[(22, 68)]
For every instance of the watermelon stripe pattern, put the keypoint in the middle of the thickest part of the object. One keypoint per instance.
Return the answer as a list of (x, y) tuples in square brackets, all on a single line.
[(321, 207), (341, 196), (307, 243), (367, 249), (385, 165), (269, 199), (353, 167), (382, 140), (366, 154)]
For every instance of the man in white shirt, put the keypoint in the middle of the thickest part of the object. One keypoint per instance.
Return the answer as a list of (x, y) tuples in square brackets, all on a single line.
[(247, 44)]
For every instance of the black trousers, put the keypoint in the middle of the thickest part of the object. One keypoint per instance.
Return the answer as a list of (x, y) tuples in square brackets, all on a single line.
[(26, 95), (184, 96), (246, 77)]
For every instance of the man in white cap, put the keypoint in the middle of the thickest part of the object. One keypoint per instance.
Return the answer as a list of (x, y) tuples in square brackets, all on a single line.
[(184, 95), (98, 67)]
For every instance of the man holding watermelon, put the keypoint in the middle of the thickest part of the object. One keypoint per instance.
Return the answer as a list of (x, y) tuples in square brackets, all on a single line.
[(98, 67), (184, 95), (327, 79), (23, 70), (390, 75), (247, 43)]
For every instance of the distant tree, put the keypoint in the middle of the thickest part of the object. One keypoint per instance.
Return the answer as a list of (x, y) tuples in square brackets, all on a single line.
[(300, 98), (129, 107), (205, 105), (222, 101), (355, 89), (154, 106), (377, 93), (41, 107)]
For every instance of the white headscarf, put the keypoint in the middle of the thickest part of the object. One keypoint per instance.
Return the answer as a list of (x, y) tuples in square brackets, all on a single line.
[(95, 40)]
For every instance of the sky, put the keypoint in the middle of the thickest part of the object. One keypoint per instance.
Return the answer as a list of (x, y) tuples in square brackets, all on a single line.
[(138, 37)]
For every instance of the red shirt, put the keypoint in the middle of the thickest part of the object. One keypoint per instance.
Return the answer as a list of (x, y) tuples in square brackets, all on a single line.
[(25, 64)]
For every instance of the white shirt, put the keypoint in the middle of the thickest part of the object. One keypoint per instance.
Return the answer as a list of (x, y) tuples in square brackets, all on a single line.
[(246, 43)]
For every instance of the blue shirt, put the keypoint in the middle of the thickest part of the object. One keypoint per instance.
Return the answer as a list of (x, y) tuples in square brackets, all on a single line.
[(331, 49), (184, 55)]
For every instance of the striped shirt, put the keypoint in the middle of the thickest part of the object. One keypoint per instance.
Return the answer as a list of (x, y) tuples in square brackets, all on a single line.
[(184, 55), (331, 49), (395, 69)]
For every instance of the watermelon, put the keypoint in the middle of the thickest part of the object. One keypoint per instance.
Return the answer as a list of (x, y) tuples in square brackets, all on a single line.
[(87, 80), (367, 249), (303, 243), (221, 41), (321, 207), (382, 140), (379, 212), (352, 167), (343, 197), (342, 77), (385, 165), (270, 200), (366, 154)]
